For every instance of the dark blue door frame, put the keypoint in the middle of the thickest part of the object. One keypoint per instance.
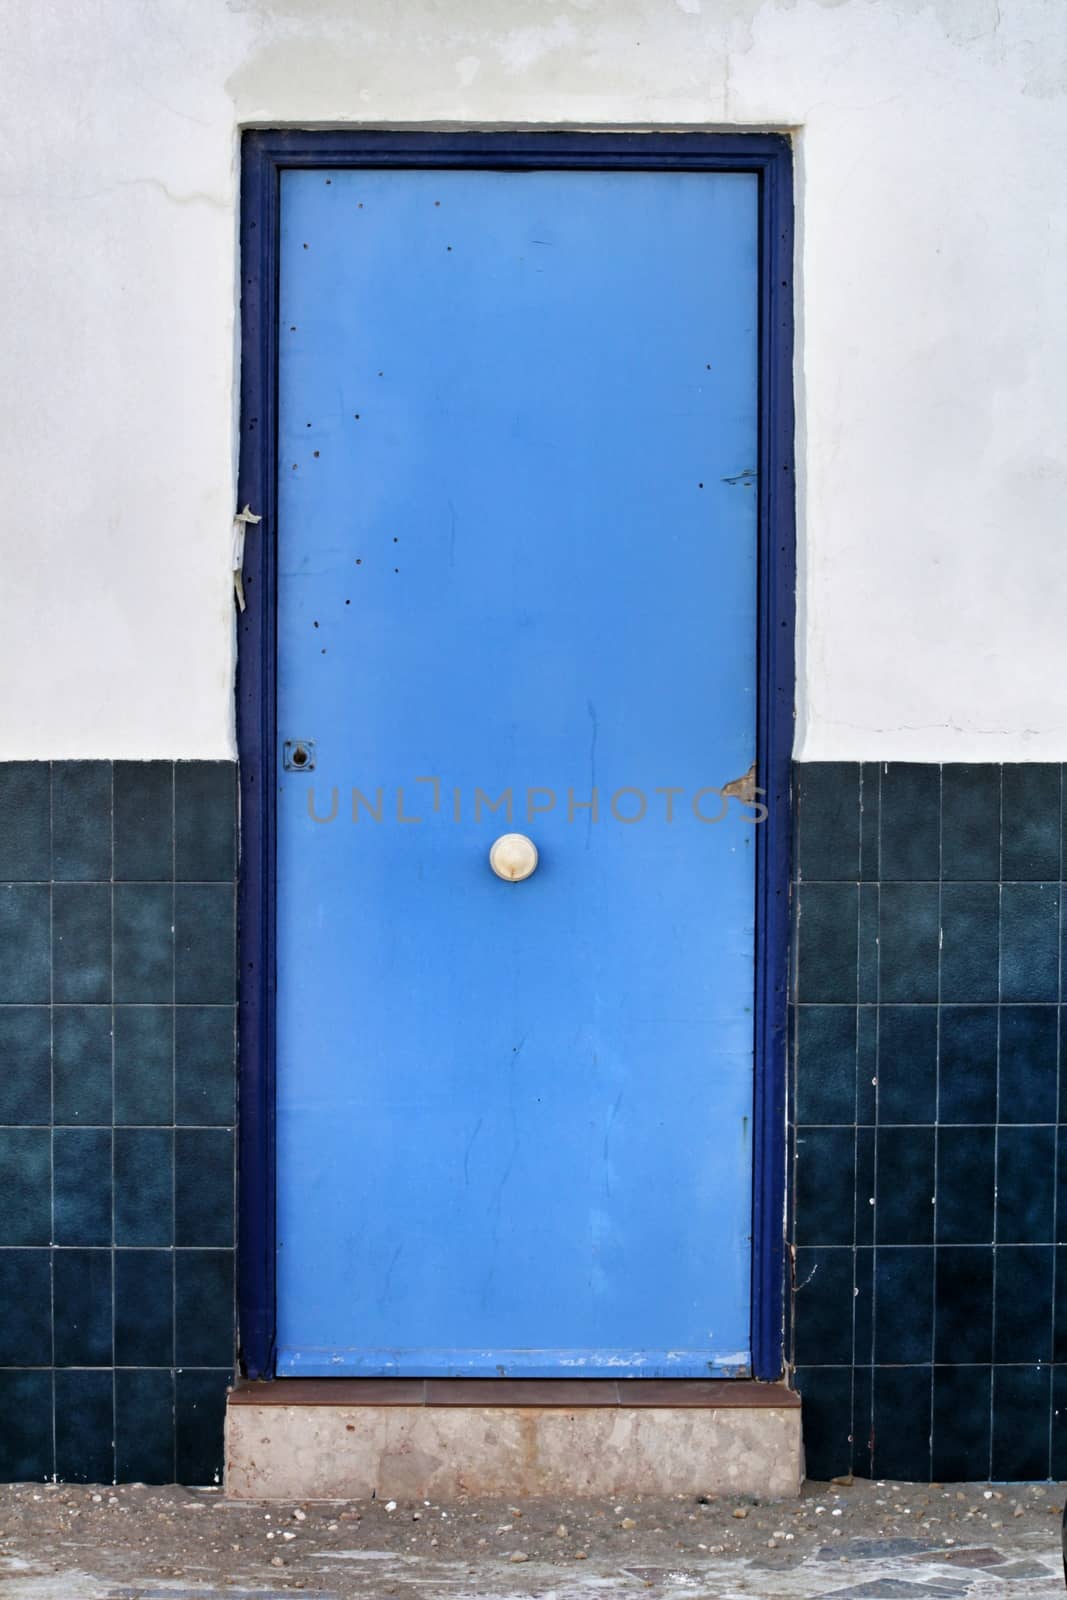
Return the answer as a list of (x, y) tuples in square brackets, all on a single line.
[(264, 156)]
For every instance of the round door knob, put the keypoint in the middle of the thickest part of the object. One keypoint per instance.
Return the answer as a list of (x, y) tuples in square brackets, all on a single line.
[(513, 857)]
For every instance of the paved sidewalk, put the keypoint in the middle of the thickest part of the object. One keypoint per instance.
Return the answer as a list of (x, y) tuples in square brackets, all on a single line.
[(861, 1541)]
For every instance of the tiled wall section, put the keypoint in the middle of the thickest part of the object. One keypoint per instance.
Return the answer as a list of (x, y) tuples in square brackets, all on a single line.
[(116, 1118), (930, 1308)]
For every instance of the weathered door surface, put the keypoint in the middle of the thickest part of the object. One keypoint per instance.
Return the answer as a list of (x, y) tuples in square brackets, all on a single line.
[(517, 568)]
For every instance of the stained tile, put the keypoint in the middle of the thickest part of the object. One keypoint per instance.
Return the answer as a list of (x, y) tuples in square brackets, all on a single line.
[(25, 1065), (907, 1064), (205, 967), (82, 1308), (144, 1186), (908, 942), (84, 1408), (204, 1308), (970, 946), (144, 1427), (81, 821), (1029, 941), (144, 1308), (82, 1185), (961, 1423), (25, 824), (826, 942), (205, 819), (1021, 1400), (1025, 1170), (1029, 1064), (203, 1184), (910, 821), (82, 1064), (26, 1299), (823, 1307), (826, 1079), (902, 1399), (144, 821), (1023, 1311), (144, 1064), (826, 1400), (81, 943), (26, 1186), (1030, 846), (903, 1306), (870, 817), (200, 1414), (963, 1294), (970, 822), (204, 1065), (825, 1171), (26, 1438), (967, 1076), (25, 957), (966, 1181), (904, 1192), (144, 943)]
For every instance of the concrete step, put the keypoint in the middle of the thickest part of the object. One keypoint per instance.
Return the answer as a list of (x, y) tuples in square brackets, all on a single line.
[(415, 1438)]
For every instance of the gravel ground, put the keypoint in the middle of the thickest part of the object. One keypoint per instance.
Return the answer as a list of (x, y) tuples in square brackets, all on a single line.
[(65, 1542)]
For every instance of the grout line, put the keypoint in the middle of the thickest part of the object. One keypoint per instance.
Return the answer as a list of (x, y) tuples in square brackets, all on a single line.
[(937, 1092), (114, 1383), (174, 1114), (996, 1126), (52, 1112)]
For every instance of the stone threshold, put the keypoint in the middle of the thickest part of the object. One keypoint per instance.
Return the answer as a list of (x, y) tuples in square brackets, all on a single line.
[(525, 1392)]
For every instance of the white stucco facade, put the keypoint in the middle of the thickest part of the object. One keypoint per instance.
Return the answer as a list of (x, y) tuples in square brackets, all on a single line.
[(931, 359)]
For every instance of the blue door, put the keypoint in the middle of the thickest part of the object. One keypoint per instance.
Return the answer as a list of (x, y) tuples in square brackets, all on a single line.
[(517, 595)]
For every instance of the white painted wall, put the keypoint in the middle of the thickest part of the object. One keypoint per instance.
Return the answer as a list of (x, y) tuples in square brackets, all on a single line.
[(931, 370)]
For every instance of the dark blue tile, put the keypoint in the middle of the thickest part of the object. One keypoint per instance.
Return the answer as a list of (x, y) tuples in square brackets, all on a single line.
[(909, 942), (203, 1308), (84, 1426), (205, 813), (82, 1064), (967, 1079), (870, 815), (862, 1420), (823, 1307), (26, 1301), (81, 821), (26, 1454), (1059, 1310), (903, 1306), (144, 943), (904, 1211), (1029, 1063), (144, 821), (26, 1185), (1023, 1320), (1061, 1185), (200, 1412), (25, 822), (825, 1172), (828, 821), (1025, 1167), (205, 970), (1030, 846), (1021, 1404), (826, 1400), (866, 1063), (827, 942), (82, 1185), (902, 1401), (970, 822), (83, 1308), (144, 1064), (203, 1187), (144, 1427), (1058, 1466), (970, 943), (144, 1308), (826, 1064), (1029, 941), (907, 1064), (863, 1305), (963, 1295), (25, 954), (910, 821), (204, 1066), (144, 1186), (81, 943), (867, 952), (966, 1183), (25, 1064), (865, 1153), (962, 1404)]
